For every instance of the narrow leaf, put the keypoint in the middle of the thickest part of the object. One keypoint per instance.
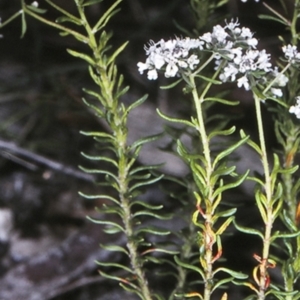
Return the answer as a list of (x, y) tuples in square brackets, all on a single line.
[(251, 143), (224, 226), (173, 84), (237, 275), (153, 230), (145, 168), (221, 132), (91, 2), (190, 267), (68, 19), (277, 235), (208, 79), (99, 158), (36, 9), (99, 197), (229, 150), (172, 252), (120, 279), (106, 16), (260, 200), (232, 185), (223, 101), (147, 182), (222, 282), (105, 172), (24, 25), (248, 230), (108, 223), (149, 213), (83, 56), (98, 134), (146, 140), (114, 248), (271, 18), (146, 205), (110, 264), (174, 120), (116, 53), (136, 103)]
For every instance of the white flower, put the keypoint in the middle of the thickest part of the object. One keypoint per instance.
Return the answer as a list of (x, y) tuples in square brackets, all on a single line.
[(230, 72), (207, 37), (171, 70), (35, 4), (219, 33), (152, 74), (157, 60), (252, 42), (289, 51), (193, 61), (142, 67), (232, 25), (295, 109), (263, 62), (281, 79), (276, 92), (246, 32), (243, 81)]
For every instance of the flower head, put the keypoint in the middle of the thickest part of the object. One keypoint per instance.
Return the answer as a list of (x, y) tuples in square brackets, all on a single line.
[(291, 54), (172, 56), (295, 109), (244, 65), (231, 46)]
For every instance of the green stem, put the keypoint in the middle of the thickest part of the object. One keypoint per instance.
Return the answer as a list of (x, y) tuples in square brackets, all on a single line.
[(107, 88), (53, 24), (197, 71), (293, 27), (14, 16), (208, 232), (208, 256), (64, 12), (135, 259), (274, 80), (267, 203), (91, 36)]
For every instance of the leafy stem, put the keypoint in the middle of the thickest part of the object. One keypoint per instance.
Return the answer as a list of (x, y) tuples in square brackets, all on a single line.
[(266, 202), (64, 29), (209, 237)]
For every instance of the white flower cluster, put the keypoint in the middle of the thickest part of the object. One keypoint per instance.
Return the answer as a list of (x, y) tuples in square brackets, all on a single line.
[(224, 40), (232, 46), (295, 109), (245, 63), (171, 55), (178, 54), (291, 54)]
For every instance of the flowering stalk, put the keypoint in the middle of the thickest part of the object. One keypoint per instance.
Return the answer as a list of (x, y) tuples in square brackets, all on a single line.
[(267, 202), (288, 135), (183, 58), (209, 235)]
